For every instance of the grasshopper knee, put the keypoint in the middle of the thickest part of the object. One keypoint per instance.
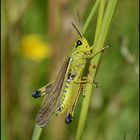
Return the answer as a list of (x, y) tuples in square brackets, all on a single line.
[(68, 119), (36, 94)]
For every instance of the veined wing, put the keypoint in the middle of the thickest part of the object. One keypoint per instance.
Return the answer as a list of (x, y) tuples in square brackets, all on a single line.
[(49, 105)]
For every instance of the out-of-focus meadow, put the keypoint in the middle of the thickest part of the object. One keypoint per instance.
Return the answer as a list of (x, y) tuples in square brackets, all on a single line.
[(36, 38)]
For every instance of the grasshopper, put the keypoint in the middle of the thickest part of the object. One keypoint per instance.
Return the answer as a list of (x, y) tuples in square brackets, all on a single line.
[(59, 93)]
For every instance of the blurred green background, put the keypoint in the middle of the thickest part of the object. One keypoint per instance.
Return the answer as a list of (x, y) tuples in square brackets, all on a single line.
[(36, 38)]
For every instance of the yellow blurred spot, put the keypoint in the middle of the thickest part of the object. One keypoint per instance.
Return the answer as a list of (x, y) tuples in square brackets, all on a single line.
[(33, 48)]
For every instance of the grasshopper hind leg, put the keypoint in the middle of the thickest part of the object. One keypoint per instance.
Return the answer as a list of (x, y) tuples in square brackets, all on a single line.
[(42, 91), (36, 94), (71, 110)]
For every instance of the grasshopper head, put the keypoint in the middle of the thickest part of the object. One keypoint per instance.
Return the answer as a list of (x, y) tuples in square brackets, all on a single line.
[(82, 46)]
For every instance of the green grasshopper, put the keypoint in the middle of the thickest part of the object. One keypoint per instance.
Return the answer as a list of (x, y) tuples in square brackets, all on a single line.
[(60, 92)]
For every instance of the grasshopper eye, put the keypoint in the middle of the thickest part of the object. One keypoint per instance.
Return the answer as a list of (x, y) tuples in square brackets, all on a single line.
[(78, 43)]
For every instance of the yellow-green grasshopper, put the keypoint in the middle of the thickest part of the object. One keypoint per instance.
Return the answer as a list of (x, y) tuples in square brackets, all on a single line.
[(60, 92)]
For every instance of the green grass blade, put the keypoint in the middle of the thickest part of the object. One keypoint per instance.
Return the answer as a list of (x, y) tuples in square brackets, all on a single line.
[(99, 44), (36, 133), (135, 135), (100, 18), (105, 24), (90, 16)]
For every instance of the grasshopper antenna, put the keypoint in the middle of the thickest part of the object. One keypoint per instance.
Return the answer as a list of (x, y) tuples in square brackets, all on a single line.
[(78, 15), (77, 30)]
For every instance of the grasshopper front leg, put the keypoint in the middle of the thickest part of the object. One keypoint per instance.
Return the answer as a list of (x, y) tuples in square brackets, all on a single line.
[(99, 51)]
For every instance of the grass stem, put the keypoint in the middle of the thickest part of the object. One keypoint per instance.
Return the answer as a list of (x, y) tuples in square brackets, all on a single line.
[(101, 34), (90, 16), (37, 132)]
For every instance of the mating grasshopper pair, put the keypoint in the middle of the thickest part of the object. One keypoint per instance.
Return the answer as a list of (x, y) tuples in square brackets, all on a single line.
[(60, 92)]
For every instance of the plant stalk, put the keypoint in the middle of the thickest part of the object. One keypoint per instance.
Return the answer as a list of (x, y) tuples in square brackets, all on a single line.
[(99, 43)]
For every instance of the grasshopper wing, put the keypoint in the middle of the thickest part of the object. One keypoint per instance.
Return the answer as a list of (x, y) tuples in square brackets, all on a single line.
[(49, 105)]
